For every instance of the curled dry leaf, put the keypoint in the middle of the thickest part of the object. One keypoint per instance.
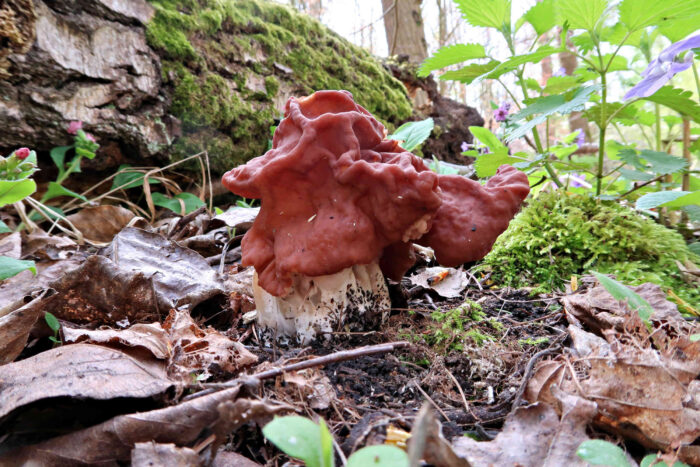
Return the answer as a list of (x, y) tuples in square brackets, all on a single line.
[(238, 217), (81, 371), (180, 276), (40, 245), (239, 288), (113, 440), (150, 336), (99, 224), (197, 349), (447, 282), (14, 330), (641, 393), (534, 436)]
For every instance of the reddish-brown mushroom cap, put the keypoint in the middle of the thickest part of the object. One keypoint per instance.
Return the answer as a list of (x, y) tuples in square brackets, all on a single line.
[(472, 215), (334, 192)]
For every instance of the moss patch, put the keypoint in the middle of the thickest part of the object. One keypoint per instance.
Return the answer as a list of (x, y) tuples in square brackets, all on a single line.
[(557, 236), (231, 63)]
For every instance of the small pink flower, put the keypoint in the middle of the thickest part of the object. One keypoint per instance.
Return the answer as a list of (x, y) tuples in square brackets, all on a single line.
[(73, 127), (89, 137), (22, 153)]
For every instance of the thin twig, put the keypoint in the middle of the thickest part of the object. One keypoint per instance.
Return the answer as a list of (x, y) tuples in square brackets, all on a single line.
[(425, 394), (461, 393), (334, 357), (529, 369), (178, 230)]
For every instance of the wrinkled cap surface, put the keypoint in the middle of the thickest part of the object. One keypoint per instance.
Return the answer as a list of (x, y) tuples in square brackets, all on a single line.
[(333, 192), (472, 215)]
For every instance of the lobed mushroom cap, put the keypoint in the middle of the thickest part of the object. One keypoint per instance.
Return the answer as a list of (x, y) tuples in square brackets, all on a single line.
[(333, 192), (472, 215)]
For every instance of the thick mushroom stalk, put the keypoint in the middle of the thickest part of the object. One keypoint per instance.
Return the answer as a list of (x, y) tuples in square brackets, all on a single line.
[(334, 195)]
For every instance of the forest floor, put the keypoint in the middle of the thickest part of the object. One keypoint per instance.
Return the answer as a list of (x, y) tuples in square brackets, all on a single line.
[(136, 349)]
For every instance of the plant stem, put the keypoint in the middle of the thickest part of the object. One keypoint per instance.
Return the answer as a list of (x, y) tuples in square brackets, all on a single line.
[(536, 137), (657, 111), (697, 79), (601, 136), (622, 137)]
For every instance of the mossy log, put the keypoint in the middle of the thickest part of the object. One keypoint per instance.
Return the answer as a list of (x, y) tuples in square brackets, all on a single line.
[(164, 79)]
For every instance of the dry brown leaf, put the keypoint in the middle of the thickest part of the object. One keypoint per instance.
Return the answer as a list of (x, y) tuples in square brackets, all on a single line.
[(150, 336), (180, 276), (40, 245), (311, 385), (15, 328), (82, 371), (238, 217), (534, 436), (232, 459), (114, 439), (11, 245), (151, 454), (641, 393), (99, 224), (203, 349)]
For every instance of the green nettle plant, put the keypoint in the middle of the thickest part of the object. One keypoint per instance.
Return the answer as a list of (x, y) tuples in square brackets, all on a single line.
[(595, 31), (311, 442)]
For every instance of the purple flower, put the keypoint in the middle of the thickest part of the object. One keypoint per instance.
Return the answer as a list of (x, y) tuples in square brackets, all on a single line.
[(501, 113), (577, 181), (664, 67), (580, 138), (74, 126), (560, 72), (465, 146)]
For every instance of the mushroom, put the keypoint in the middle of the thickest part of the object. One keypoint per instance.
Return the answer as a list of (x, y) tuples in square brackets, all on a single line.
[(341, 206), (334, 195)]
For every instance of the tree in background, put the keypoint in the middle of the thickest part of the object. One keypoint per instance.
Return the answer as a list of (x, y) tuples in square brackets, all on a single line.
[(403, 22)]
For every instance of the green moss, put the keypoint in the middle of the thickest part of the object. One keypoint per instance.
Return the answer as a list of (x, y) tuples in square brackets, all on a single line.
[(558, 235), (453, 328), (208, 47)]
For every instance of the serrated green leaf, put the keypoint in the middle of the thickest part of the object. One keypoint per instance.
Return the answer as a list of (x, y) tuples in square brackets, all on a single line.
[(594, 115), (583, 42), (623, 293), (469, 73), (297, 437), (451, 55), (635, 175), (12, 191), (638, 14), (541, 108), (381, 455), (55, 190), (599, 452), (487, 138), (514, 62), (530, 83), (190, 202), (677, 99), (542, 16), (52, 321), (58, 156), (679, 28), (10, 267), (582, 14), (559, 84), (412, 134), (486, 13), (690, 199), (659, 198), (652, 161)]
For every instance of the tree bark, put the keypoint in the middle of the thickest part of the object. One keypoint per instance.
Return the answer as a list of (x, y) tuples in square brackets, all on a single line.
[(403, 23)]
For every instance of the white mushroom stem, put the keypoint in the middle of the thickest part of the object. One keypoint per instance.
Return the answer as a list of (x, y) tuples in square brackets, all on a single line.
[(321, 305)]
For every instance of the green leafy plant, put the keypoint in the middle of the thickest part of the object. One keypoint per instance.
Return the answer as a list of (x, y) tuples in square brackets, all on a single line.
[(457, 326), (600, 452), (181, 203), (16, 184), (594, 32), (55, 326), (413, 134), (312, 443), (623, 293)]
